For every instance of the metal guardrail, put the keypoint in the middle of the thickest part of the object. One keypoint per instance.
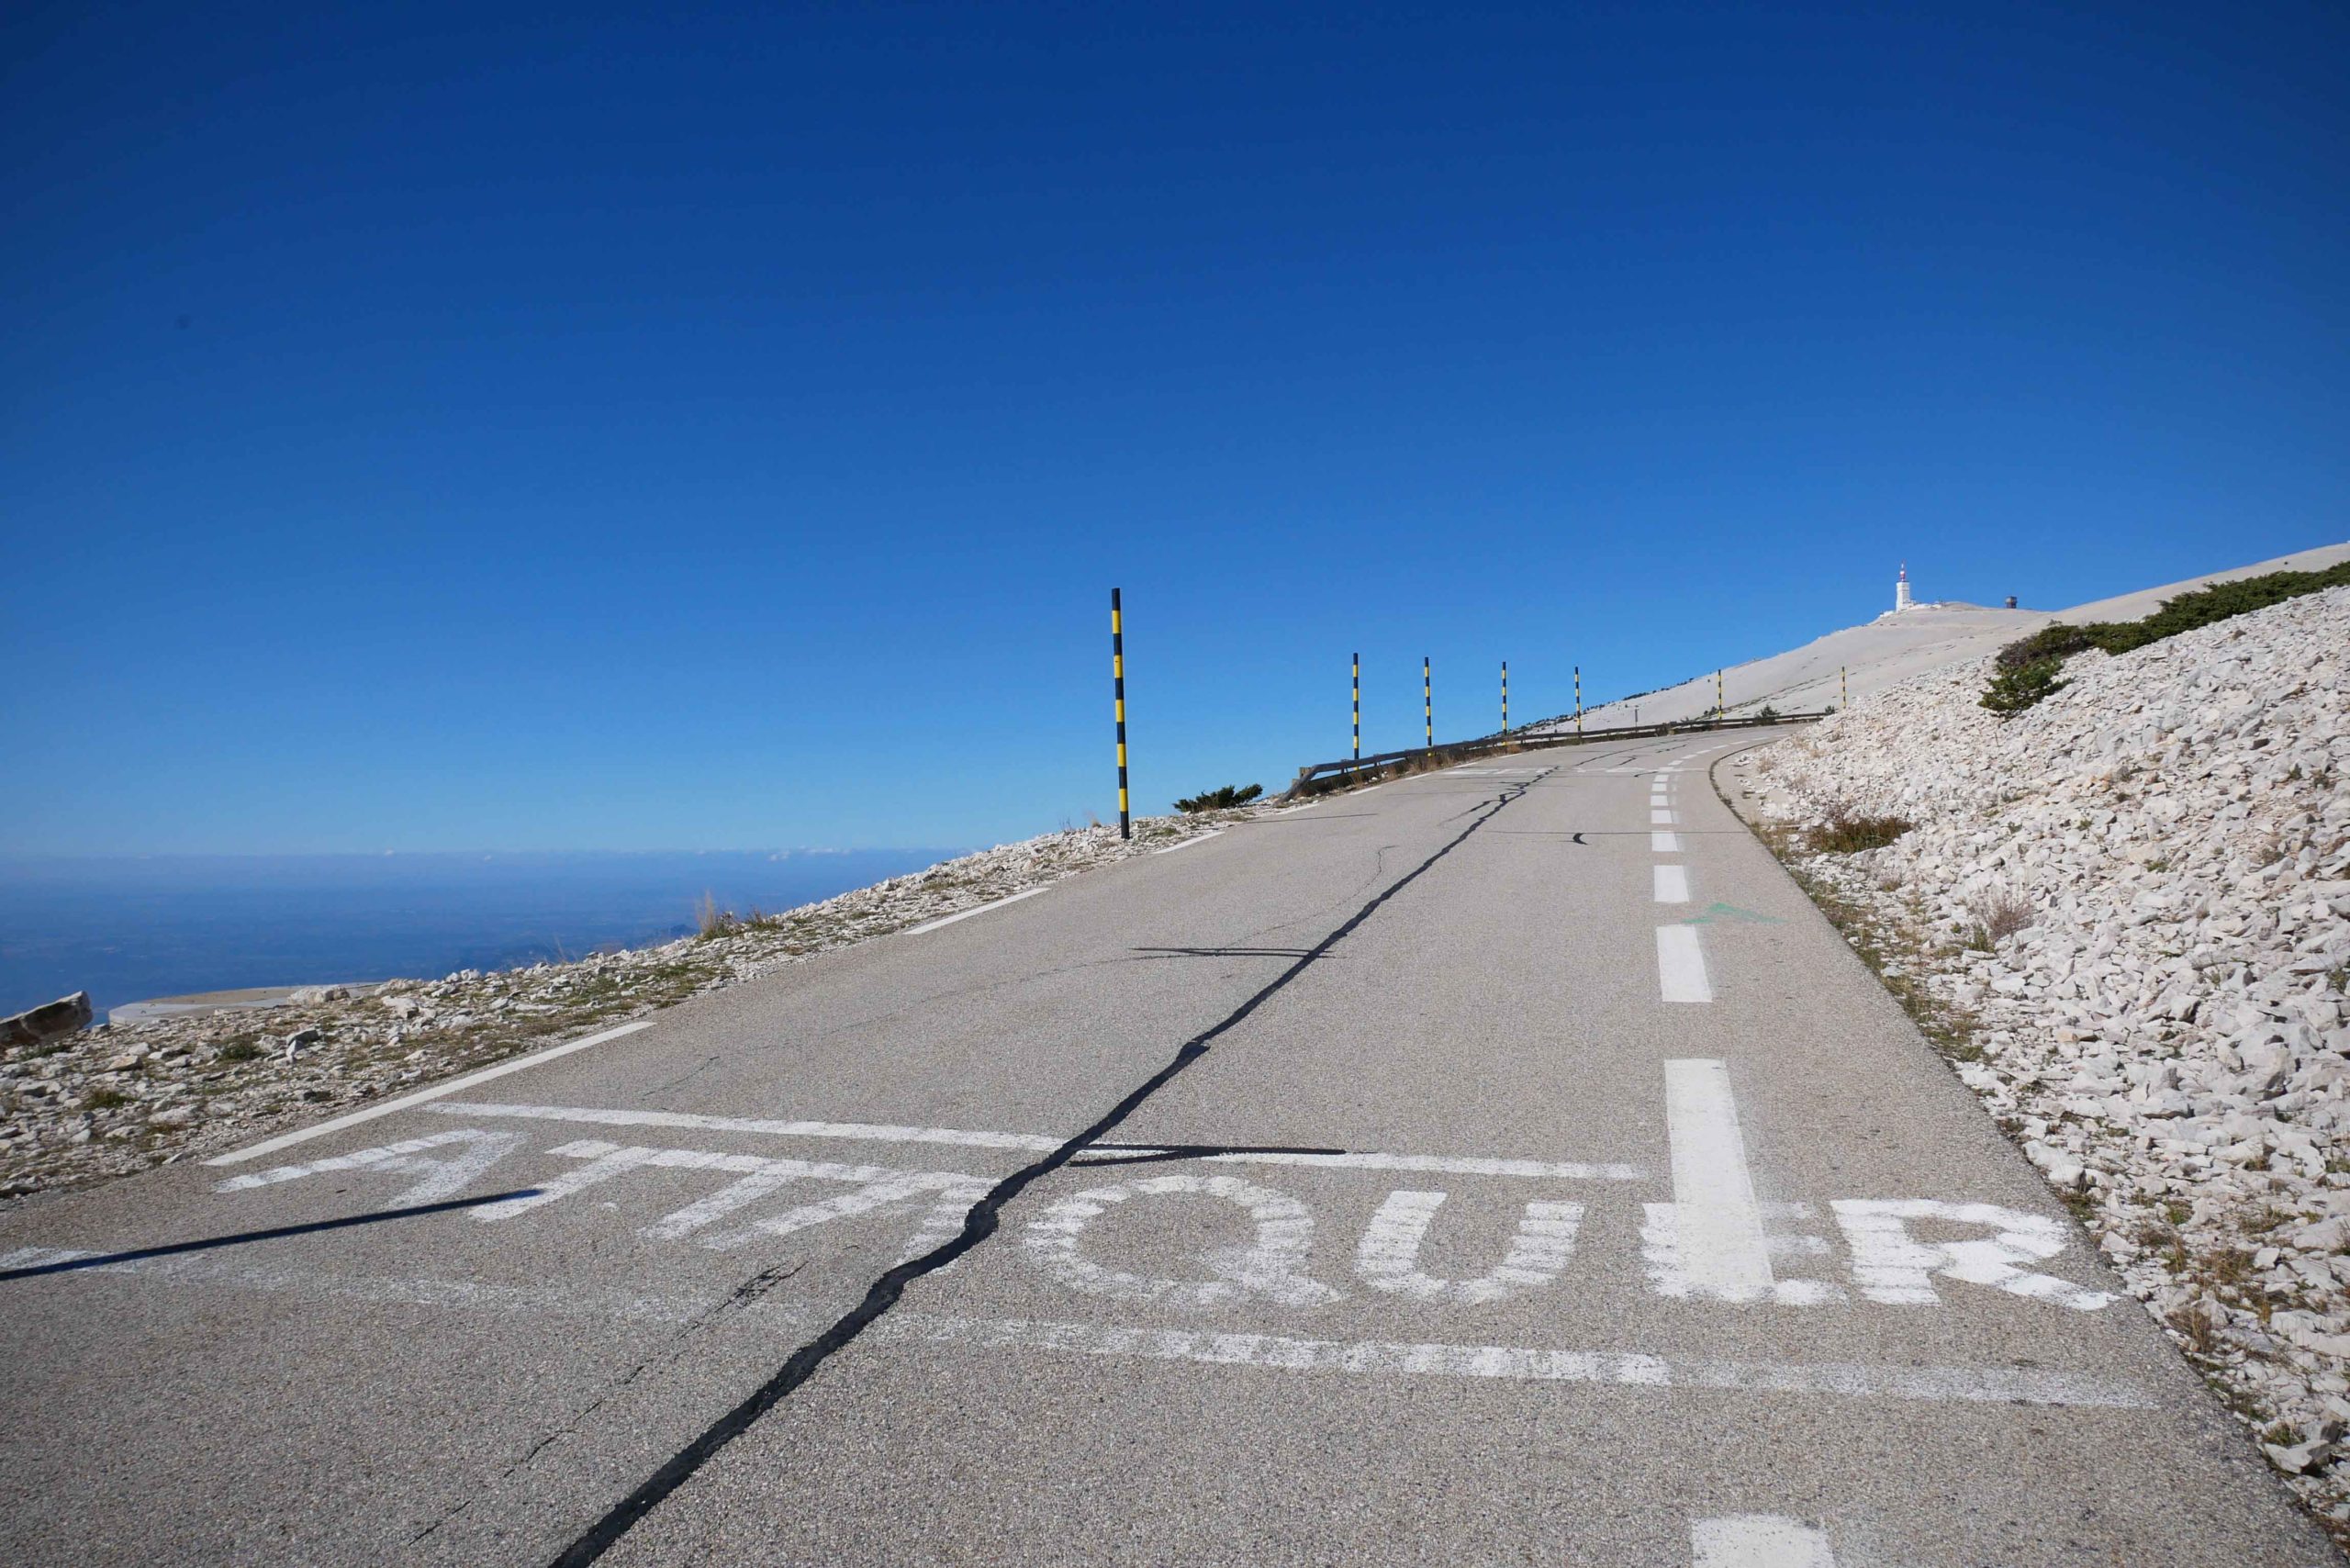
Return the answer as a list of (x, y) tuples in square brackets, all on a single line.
[(1316, 776)]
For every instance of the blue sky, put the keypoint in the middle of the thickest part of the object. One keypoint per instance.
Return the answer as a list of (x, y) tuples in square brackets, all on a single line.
[(474, 426)]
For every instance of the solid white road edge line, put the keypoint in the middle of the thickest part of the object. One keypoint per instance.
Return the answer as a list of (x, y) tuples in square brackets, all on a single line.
[(967, 913), (1187, 844), (1970, 1385), (1672, 884), (1447, 1164), (1681, 965), (271, 1146)]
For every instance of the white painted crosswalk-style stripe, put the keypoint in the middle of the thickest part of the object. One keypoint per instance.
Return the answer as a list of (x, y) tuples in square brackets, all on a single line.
[(863, 1132), (570, 1298), (1681, 965), (1627, 1368), (1440, 1164), (284, 1140), (1672, 884), (1757, 1540)]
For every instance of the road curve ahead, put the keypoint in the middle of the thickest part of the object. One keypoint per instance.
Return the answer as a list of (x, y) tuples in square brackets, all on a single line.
[(1502, 1166)]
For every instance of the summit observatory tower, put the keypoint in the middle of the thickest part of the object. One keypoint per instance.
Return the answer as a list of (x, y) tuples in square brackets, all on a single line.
[(1901, 589)]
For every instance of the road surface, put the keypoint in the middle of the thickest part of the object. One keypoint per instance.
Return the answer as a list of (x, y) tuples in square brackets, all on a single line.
[(1501, 1165)]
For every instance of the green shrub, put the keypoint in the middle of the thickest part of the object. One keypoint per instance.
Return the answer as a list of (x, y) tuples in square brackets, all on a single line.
[(2013, 690), (2049, 642), (240, 1049), (1222, 798), (2027, 667)]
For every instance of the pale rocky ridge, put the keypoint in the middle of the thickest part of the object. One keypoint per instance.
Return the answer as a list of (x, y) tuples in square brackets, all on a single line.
[(122, 1097), (2169, 1036), (1897, 647)]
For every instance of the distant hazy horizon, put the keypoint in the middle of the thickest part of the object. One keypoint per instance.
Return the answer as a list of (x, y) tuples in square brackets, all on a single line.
[(126, 928)]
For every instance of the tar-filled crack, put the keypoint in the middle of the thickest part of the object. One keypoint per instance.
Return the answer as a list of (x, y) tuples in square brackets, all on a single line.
[(658, 1090), (978, 1226), (742, 1295)]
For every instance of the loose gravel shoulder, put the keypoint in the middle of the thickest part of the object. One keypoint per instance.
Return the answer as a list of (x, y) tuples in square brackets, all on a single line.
[(115, 1099), (2125, 913)]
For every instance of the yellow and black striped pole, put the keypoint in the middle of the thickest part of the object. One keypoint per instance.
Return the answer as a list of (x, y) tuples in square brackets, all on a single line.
[(1118, 689), (1358, 687), (1427, 698), (1578, 698), (1843, 687), (1505, 696), (1718, 694)]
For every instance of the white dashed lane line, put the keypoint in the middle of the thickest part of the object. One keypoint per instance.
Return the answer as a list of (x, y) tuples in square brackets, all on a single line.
[(1757, 1540), (1681, 965), (1720, 1251), (1672, 884)]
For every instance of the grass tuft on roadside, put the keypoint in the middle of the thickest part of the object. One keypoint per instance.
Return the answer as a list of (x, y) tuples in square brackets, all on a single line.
[(1847, 832)]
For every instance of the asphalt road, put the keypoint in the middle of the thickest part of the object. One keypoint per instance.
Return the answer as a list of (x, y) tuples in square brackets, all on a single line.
[(1502, 1165)]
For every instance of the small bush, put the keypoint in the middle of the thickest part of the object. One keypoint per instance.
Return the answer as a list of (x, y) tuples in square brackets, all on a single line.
[(242, 1048), (2049, 643), (1849, 832), (1997, 916), (1223, 798), (104, 1100), (1767, 712), (2014, 689)]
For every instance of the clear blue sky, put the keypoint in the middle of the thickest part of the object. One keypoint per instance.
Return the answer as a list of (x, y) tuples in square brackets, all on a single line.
[(474, 426)]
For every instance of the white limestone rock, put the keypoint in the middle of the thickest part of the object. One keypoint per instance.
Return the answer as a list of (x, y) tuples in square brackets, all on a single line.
[(2169, 1035)]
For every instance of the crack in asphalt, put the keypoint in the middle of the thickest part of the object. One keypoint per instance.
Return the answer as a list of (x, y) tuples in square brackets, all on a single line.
[(671, 1349), (978, 1225)]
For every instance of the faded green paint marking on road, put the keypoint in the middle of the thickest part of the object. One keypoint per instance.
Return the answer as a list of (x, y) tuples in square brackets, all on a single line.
[(1731, 915)]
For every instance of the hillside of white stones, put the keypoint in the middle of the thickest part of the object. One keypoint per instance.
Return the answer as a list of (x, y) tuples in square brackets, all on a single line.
[(2168, 1033), (115, 1099)]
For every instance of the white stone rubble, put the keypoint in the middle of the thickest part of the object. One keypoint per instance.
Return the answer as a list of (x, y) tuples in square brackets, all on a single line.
[(2167, 1034)]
